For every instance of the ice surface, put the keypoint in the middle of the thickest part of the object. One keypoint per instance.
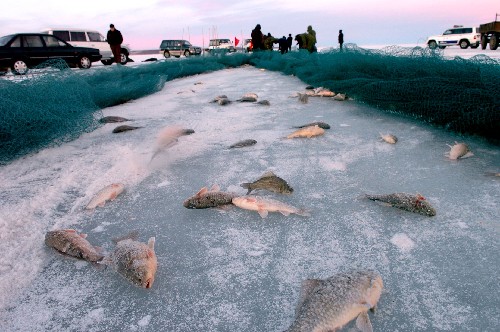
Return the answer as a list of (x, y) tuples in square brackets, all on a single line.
[(232, 270)]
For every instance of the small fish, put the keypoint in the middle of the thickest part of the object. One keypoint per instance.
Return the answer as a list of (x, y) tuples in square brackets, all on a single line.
[(107, 193), (329, 304), (223, 101), (265, 205), (112, 119), (269, 181), (264, 102), (303, 97), (459, 151), (168, 137), (244, 143), (323, 92), (340, 97), (123, 128), (413, 203), (389, 138), (134, 260), (248, 97), (320, 124), (308, 132), (150, 60), (205, 198), (309, 87), (218, 98), (69, 242)]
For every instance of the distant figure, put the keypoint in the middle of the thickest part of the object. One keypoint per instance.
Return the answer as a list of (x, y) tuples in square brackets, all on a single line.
[(115, 40), (311, 40), (283, 45), (257, 38), (289, 41), (341, 38), (301, 42), (269, 40)]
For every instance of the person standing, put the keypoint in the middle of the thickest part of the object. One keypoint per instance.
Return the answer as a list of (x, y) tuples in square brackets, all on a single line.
[(115, 40), (311, 39), (341, 38), (289, 41), (257, 38)]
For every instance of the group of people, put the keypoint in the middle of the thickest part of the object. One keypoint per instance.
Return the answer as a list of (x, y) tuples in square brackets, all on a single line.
[(305, 40)]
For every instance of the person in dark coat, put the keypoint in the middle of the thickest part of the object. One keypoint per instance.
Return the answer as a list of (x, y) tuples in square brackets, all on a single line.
[(289, 41), (341, 38), (283, 45), (257, 38), (115, 40)]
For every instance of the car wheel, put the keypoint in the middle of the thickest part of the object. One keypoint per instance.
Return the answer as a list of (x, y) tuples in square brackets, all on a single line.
[(84, 62), (123, 58), (166, 54), (187, 53), (432, 44), (464, 44), (484, 42), (493, 42), (19, 67)]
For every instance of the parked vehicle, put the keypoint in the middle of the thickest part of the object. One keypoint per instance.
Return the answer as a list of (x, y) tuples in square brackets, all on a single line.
[(248, 45), (90, 38), (221, 44), (490, 34), (178, 47), (25, 50), (458, 35)]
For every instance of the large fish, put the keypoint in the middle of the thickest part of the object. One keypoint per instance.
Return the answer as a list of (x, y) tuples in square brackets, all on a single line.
[(459, 151), (329, 304), (69, 242), (244, 143), (205, 198), (134, 260), (112, 119), (265, 205), (108, 193), (269, 181), (389, 138), (320, 124), (413, 203), (308, 132)]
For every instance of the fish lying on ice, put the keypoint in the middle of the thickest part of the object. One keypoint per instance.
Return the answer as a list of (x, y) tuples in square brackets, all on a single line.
[(112, 119), (106, 194), (69, 242), (248, 97), (205, 198), (269, 181), (389, 138), (244, 143), (265, 205), (459, 151), (123, 128), (168, 137), (340, 97), (329, 304), (308, 132), (323, 92), (320, 124), (221, 100), (264, 102), (134, 260), (413, 203)]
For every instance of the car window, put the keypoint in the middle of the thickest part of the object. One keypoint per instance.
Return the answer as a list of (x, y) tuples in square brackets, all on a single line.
[(447, 32), (95, 37), (51, 41), (467, 30), (77, 36), (4, 40), (64, 35), (32, 41), (186, 43)]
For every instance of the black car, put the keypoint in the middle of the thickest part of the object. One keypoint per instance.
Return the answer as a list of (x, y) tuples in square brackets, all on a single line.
[(25, 50)]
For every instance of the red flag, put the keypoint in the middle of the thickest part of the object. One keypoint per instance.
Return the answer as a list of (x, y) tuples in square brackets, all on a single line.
[(236, 41)]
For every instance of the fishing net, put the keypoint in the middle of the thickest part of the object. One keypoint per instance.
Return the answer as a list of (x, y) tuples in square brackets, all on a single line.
[(53, 104)]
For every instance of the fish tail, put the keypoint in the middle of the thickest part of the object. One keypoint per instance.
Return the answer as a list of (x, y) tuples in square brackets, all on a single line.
[(246, 185)]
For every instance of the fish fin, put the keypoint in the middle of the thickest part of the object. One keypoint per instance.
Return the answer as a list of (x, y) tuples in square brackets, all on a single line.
[(245, 185), (306, 288), (467, 155), (363, 322), (285, 213), (151, 243), (133, 235), (263, 213), (83, 236), (202, 191), (215, 187), (267, 174)]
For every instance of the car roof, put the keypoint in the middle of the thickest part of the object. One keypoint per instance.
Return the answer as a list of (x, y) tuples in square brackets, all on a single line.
[(70, 29)]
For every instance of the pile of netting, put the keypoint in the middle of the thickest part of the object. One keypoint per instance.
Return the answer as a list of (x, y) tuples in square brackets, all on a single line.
[(54, 104)]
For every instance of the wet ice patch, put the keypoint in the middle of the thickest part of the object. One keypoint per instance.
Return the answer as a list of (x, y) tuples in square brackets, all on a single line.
[(403, 242), (144, 321), (331, 165)]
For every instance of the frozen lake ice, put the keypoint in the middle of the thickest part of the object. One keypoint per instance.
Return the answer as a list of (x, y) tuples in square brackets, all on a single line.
[(231, 270)]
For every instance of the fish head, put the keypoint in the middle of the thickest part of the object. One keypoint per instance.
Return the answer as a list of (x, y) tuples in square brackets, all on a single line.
[(144, 270), (370, 286), (287, 189), (424, 206), (190, 203)]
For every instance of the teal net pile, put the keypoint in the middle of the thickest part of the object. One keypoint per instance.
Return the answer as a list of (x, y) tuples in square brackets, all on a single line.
[(54, 104)]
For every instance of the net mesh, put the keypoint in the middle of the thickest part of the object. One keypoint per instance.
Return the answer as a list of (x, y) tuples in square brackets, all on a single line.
[(53, 104)]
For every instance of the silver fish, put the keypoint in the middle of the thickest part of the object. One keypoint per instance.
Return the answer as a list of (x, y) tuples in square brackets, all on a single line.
[(205, 198), (136, 261), (123, 128), (329, 304), (112, 119), (69, 242), (307, 132), (265, 205), (248, 97), (412, 203), (269, 181), (320, 124), (244, 143)]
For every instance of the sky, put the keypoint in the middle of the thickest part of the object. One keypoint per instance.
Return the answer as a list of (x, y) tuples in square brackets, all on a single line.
[(145, 23)]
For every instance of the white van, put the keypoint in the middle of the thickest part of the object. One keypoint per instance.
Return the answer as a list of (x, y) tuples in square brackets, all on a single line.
[(221, 44), (89, 38)]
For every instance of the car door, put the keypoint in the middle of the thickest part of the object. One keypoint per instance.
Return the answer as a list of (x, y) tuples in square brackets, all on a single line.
[(59, 49), (33, 49), (96, 40)]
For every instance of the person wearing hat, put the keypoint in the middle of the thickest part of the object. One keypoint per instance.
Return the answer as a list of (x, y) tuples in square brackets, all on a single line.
[(115, 40)]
